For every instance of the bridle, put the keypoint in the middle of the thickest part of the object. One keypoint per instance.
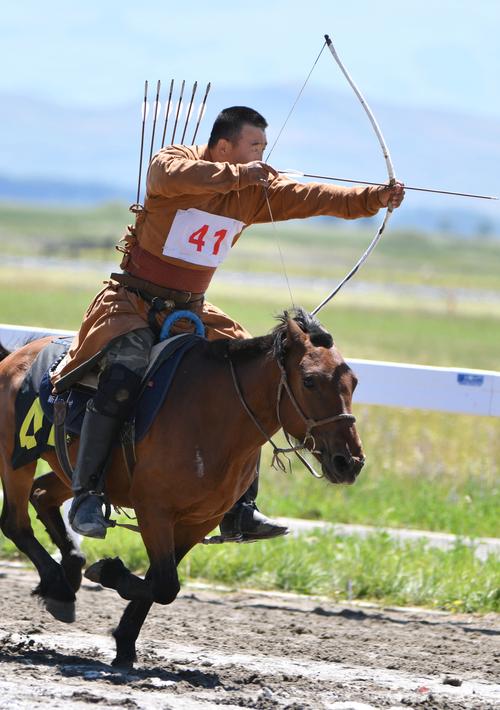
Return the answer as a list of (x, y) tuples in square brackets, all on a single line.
[(310, 424)]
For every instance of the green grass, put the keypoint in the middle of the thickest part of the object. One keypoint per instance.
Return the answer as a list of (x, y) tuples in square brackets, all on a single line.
[(426, 470), (319, 249), (375, 568), (47, 231), (402, 257), (396, 332)]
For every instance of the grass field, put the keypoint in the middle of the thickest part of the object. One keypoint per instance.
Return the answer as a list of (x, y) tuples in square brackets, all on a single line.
[(426, 470), (316, 248), (400, 331)]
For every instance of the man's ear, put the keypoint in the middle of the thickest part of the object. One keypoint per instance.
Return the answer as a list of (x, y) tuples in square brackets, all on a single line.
[(223, 146)]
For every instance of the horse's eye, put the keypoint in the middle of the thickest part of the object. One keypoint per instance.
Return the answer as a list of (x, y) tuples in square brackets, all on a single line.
[(308, 382)]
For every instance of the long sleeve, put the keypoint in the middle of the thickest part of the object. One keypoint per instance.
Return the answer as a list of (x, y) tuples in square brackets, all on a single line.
[(292, 200), (178, 171)]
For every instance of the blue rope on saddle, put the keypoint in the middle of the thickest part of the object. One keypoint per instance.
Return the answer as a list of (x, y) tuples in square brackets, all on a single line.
[(177, 315)]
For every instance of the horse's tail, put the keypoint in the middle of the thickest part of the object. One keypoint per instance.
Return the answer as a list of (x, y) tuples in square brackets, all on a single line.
[(3, 352)]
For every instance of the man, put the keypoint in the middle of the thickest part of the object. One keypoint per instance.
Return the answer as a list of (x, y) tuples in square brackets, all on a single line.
[(199, 200)]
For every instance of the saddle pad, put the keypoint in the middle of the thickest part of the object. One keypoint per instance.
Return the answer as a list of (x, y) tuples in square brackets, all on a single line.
[(34, 431)]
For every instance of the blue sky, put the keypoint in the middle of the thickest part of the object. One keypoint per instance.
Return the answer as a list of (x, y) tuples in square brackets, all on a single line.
[(434, 53)]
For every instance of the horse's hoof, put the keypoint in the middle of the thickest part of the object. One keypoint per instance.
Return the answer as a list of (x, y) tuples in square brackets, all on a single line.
[(62, 611), (94, 572), (123, 664), (107, 572)]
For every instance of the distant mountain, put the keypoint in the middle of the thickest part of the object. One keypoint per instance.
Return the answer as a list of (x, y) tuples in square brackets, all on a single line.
[(73, 154), (59, 191)]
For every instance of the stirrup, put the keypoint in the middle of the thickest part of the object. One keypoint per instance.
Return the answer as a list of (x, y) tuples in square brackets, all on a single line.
[(80, 497), (220, 539), (98, 527)]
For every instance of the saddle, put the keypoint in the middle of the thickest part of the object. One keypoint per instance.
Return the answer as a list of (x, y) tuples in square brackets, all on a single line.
[(38, 411)]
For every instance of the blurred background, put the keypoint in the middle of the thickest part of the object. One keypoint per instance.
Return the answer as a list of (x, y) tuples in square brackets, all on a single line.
[(73, 79), (70, 117)]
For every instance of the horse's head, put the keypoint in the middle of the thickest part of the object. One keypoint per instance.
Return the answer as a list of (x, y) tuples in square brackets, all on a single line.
[(316, 399)]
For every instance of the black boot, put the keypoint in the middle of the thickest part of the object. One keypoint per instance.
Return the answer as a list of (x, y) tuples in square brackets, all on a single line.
[(245, 523), (96, 442)]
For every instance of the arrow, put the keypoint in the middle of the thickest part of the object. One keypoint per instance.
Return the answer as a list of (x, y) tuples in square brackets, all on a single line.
[(366, 182)]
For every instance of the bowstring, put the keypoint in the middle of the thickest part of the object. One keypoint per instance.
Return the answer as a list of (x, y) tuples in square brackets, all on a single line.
[(295, 102), (275, 229), (278, 244)]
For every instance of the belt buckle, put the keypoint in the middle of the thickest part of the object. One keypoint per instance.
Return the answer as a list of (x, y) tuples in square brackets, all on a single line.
[(160, 304)]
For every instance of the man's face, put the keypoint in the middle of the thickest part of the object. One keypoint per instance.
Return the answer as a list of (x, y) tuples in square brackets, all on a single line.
[(249, 145)]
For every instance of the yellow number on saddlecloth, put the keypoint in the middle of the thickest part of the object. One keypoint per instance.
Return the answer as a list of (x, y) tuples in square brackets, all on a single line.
[(34, 417)]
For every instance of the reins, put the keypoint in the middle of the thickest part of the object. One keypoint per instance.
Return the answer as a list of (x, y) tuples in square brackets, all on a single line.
[(308, 438)]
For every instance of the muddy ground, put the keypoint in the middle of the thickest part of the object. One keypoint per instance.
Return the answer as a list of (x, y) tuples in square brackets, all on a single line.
[(245, 650)]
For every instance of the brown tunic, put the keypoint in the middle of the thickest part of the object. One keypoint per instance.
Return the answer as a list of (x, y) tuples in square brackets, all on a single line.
[(195, 211)]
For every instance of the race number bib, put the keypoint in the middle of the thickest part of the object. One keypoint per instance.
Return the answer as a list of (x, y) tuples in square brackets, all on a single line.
[(200, 237)]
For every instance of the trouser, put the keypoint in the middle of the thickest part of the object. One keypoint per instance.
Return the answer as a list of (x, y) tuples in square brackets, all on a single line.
[(121, 371)]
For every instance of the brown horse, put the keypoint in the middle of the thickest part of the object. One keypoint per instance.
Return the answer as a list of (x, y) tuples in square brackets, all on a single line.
[(198, 458)]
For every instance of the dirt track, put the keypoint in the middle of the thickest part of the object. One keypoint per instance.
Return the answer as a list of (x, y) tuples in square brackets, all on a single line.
[(239, 650)]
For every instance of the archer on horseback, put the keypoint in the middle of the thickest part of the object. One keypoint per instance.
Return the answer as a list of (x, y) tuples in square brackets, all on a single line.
[(199, 200)]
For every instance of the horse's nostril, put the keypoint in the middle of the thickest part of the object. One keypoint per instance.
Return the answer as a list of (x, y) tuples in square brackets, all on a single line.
[(341, 463)]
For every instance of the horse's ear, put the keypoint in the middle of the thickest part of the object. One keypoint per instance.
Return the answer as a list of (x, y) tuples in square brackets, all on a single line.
[(295, 334)]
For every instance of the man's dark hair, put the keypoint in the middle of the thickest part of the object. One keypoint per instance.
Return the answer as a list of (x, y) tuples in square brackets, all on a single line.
[(230, 121)]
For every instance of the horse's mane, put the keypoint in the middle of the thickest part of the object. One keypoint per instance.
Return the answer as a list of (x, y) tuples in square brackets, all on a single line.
[(274, 342)]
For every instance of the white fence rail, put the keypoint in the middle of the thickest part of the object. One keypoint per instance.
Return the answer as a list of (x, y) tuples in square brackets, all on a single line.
[(445, 389)]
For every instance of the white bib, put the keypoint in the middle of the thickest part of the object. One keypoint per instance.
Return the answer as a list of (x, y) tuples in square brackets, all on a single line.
[(200, 237)]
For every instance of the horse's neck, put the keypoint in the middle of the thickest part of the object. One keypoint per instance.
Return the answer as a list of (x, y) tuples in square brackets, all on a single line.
[(259, 383)]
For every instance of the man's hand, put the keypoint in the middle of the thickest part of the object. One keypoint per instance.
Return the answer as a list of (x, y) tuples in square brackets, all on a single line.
[(392, 193), (258, 173)]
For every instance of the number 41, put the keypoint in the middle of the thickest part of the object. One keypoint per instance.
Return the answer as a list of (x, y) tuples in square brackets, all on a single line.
[(198, 238)]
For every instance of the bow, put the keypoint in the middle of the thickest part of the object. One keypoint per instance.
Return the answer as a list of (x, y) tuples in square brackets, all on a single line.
[(390, 174), (390, 168)]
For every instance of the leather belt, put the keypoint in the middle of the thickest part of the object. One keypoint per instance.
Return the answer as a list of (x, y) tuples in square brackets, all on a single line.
[(148, 291)]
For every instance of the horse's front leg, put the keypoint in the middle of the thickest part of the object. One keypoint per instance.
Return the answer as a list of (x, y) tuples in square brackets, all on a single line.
[(128, 630), (47, 495), (135, 614), (161, 585)]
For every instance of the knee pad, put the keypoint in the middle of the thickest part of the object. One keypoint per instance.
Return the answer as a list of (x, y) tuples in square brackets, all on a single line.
[(116, 391)]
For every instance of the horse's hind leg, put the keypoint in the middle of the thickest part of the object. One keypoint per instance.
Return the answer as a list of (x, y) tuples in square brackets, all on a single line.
[(47, 495), (54, 590)]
